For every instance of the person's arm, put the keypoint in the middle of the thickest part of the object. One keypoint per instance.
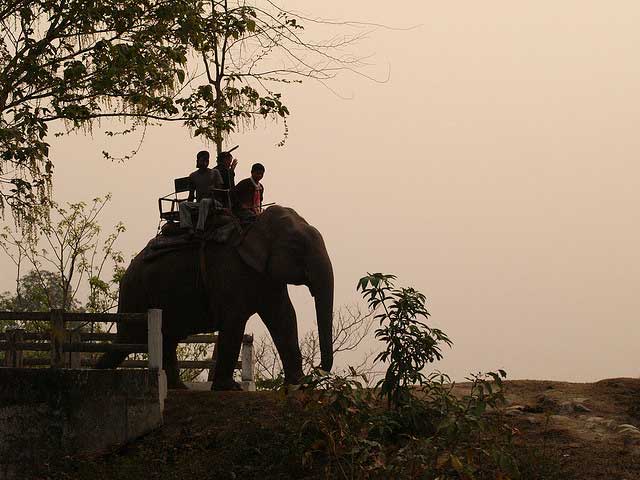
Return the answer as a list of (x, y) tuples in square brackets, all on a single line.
[(232, 178), (234, 197), (218, 182)]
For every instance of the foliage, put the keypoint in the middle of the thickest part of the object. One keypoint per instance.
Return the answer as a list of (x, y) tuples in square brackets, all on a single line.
[(207, 64), (436, 434), (34, 293), (232, 39), (69, 243), (247, 49), (427, 428), (71, 266), (88, 268), (77, 61), (410, 343), (196, 352)]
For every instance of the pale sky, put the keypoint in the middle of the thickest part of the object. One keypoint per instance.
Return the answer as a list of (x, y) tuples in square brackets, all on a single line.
[(496, 171)]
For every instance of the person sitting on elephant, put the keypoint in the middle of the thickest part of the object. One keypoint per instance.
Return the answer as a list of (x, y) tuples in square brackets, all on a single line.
[(203, 181), (248, 195), (226, 168)]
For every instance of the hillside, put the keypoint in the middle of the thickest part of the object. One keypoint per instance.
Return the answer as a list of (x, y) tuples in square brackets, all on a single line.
[(563, 431)]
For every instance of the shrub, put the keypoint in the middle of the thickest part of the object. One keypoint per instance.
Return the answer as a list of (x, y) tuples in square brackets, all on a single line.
[(410, 343), (412, 425)]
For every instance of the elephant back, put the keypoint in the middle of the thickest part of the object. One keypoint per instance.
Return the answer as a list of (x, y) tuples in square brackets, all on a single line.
[(226, 230)]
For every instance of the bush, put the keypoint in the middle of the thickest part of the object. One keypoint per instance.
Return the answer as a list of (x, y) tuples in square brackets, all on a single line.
[(410, 343), (412, 425)]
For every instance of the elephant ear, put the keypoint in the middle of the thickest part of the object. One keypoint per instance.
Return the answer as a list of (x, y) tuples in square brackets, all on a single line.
[(254, 248)]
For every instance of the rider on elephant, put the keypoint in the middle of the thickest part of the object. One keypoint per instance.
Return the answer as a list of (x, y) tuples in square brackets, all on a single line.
[(203, 181), (248, 195), (226, 168)]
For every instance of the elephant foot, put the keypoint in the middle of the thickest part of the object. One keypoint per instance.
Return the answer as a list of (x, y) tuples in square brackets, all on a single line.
[(294, 380), (225, 386)]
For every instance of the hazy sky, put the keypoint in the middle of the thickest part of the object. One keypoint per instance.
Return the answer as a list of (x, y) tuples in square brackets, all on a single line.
[(496, 171)]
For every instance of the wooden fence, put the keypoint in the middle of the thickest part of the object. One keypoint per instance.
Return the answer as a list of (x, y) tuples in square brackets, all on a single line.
[(65, 346)]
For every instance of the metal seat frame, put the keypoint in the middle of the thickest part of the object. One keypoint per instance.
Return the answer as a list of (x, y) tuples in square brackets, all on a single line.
[(181, 185)]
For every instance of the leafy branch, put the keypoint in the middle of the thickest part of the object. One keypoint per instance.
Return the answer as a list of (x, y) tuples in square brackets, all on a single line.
[(410, 344)]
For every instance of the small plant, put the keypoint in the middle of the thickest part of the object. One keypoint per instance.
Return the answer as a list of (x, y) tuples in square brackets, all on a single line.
[(410, 343), (270, 383)]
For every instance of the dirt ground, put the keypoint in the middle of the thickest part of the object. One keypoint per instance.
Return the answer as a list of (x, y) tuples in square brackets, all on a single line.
[(563, 431), (585, 430)]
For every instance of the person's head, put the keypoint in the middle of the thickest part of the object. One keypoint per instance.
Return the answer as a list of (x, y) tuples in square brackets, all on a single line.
[(225, 158), (257, 172), (202, 159)]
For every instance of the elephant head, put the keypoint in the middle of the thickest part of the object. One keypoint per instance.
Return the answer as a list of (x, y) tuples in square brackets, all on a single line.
[(283, 246)]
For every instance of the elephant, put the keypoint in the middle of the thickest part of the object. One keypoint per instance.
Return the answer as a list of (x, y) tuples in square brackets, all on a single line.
[(217, 287)]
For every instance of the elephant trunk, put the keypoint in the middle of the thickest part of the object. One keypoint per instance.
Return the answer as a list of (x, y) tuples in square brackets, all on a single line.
[(321, 286)]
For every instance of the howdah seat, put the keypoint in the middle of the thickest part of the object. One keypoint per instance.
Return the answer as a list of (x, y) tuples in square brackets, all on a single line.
[(172, 213)]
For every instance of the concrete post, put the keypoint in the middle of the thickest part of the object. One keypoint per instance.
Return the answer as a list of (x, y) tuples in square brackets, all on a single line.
[(248, 379), (13, 356), (58, 336), (154, 338), (154, 343)]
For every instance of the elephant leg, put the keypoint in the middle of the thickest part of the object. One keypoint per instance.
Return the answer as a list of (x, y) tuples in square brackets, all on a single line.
[(170, 364), (280, 319), (227, 351)]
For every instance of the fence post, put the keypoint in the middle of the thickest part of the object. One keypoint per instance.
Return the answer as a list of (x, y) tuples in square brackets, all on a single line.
[(72, 359), (58, 336), (10, 353), (248, 380), (13, 356), (154, 344)]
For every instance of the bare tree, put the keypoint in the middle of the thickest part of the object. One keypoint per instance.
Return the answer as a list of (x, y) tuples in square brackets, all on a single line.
[(248, 50), (351, 326)]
